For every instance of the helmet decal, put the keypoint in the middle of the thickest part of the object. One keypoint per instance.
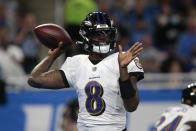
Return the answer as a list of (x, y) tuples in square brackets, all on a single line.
[(87, 23)]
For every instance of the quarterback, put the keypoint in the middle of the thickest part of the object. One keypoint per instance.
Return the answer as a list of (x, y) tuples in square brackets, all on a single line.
[(180, 118), (106, 83)]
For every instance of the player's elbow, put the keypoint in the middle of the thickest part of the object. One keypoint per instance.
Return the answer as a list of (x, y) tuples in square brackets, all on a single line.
[(32, 81), (131, 108), (131, 105)]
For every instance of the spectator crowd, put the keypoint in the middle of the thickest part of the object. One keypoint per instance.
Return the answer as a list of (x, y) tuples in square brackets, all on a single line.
[(166, 27)]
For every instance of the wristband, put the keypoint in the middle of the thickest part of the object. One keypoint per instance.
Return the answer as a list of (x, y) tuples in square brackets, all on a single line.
[(126, 88)]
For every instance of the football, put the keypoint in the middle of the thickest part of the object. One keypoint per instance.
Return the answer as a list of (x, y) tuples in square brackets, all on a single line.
[(51, 34)]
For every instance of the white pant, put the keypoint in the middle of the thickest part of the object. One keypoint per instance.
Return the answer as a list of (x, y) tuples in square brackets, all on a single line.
[(82, 127)]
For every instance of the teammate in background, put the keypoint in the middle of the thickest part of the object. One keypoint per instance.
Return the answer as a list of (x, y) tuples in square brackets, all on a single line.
[(106, 84), (180, 118), (70, 116)]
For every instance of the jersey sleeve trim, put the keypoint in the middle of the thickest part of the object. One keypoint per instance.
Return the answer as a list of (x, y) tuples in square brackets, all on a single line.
[(64, 78), (138, 75)]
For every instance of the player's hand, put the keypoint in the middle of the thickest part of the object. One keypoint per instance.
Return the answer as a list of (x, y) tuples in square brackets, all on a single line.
[(57, 51), (125, 58)]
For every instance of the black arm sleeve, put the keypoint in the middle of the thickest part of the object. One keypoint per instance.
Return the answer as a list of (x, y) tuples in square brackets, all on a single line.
[(138, 75)]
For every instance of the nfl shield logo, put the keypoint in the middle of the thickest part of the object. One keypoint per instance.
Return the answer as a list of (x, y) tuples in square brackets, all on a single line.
[(94, 68)]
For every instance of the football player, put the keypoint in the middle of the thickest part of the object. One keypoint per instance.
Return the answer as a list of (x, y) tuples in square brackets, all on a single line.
[(106, 84), (180, 118)]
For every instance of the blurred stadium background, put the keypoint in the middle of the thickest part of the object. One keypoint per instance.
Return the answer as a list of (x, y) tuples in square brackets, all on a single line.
[(166, 27)]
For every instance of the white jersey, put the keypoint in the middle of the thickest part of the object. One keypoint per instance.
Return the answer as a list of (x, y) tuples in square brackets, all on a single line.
[(174, 118), (100, 102)]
